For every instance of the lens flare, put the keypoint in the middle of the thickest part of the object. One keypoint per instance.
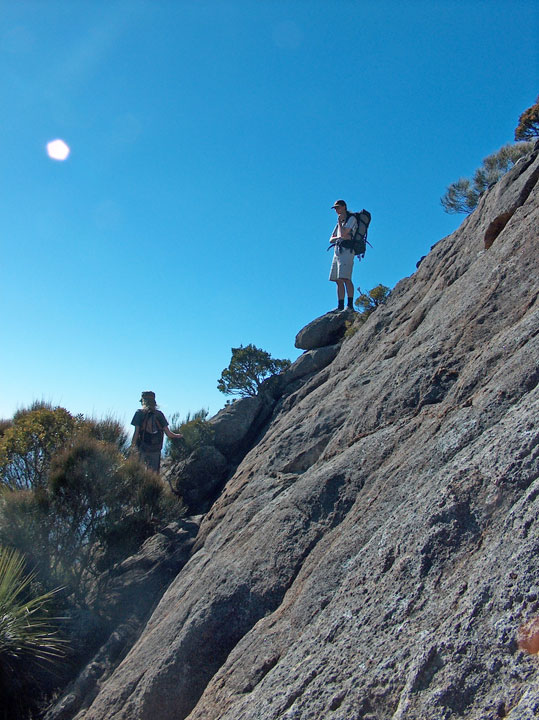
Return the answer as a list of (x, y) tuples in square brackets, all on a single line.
[(58, 150)]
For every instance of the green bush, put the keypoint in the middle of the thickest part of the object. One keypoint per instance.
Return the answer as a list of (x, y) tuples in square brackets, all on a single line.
[(4, 425), (70, 499), (528, 123), (247, 370), (108, 430), (28, 444), (463, 195), (29, 638), (73, 505), (196, 431), (366, 304)]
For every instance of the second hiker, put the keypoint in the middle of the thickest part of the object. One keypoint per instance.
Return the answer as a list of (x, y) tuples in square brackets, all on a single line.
[(343, 257), (150, 428)]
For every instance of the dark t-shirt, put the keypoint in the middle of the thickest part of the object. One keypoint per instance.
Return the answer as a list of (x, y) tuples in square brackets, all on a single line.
[(138, 419)]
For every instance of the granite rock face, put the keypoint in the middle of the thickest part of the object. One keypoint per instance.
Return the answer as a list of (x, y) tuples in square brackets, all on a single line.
[(198, 477), (375, 553), (325, 330)]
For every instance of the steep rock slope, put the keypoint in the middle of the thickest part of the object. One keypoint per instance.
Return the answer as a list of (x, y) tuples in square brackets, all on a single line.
[(375, 553)]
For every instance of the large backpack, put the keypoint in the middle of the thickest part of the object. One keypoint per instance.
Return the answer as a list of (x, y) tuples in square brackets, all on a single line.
[(151, 432), (359, 241)]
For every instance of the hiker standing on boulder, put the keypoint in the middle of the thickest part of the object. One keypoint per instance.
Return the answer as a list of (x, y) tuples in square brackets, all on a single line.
[(343, 257), (150, 428)]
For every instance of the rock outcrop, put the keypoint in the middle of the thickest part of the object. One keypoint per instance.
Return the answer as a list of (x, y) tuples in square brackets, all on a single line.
[(376, 552)]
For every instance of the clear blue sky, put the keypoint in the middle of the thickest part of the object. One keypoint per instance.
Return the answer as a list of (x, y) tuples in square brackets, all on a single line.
[(209, 140)]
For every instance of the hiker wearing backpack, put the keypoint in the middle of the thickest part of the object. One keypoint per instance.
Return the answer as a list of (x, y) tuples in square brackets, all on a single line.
[(343, 257), (349, 239), (150, 428)]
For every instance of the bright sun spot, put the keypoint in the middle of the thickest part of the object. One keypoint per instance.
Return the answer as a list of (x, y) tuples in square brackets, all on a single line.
[(58, 150)]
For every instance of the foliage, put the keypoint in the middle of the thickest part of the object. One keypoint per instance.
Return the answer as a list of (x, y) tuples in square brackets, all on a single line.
[(196, 431), (73, 504), (4, 425), (69, 498), (463, 195), (248, 368), (460, 197), (27, 446), (528, 123), (108, 430), (28, 638), (368, 302), (94, 508)]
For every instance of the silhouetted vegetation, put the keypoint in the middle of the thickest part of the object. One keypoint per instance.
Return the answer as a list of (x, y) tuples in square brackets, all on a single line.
[(248, 368), (196, 432), (528, 123), (463, 195)]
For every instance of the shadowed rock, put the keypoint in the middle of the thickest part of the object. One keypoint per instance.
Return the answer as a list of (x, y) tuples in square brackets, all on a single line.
[(198, 478), (325, 330)]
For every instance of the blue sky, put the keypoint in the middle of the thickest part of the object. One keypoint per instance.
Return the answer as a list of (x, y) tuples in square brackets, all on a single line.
[(208, 142)]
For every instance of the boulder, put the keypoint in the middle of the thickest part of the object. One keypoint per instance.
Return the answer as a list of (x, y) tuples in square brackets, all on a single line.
[(198, 478), (325, 330), (233, 423), (310, 362)]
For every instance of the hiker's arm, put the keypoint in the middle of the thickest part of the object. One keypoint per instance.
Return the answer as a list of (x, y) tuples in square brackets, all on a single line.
[(172, 435), (135, 436)]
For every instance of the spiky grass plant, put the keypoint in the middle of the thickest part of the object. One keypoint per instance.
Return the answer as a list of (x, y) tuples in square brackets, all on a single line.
[(28, 640), (25, 629)]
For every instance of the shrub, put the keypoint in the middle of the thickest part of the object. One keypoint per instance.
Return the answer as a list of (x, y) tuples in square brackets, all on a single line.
[(463, 196), (196, 431), (27, 446), (368, 302), (28, 637), (528, 123), (108, 430), (94, 507), (248, 368)]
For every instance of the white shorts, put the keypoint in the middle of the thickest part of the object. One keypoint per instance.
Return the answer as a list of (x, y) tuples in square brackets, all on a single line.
[(342, 265)]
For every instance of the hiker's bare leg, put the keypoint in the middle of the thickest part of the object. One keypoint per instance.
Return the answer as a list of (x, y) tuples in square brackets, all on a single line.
[(349, 289), (340, 288)]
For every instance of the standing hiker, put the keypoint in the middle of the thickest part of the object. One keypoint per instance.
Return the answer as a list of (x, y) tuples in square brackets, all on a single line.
[(150, 428), (343, 257)]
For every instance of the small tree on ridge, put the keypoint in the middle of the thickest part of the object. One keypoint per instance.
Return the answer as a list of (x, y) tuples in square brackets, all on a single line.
[(463, 195), (528, 123), (248, 368)]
